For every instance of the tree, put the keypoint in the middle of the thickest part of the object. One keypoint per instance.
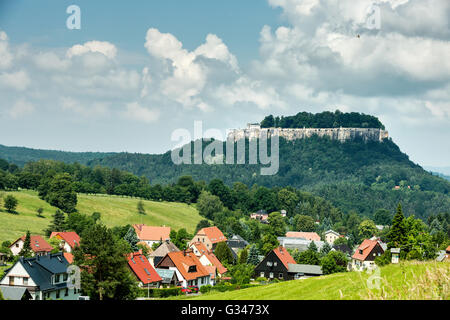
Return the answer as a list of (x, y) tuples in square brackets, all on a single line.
[(313, 247), (10, 203), (1, 296), (56, 244), (308, 257), (202, 224), (287, 200), (328, 265), (269, 242), (26, 251), (253, 254), (61, 193), (58, 224), (243, 256), (398, 233), (277, 225), (132, 239), (39, 211), (382, 217), (340, 240), (305, 223), (104, 268), (325, 248), (241, 273), (223, 253), (208, 205), (367, 229), (140, 207)]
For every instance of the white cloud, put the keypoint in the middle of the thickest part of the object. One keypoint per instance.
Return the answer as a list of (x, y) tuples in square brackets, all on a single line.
[(6, 56), (84, 109), (21, 108), (106, 48), (51, 61), (136, 112), (16, 80)]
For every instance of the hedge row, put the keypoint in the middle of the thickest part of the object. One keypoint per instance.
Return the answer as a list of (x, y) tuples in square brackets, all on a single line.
[(159, 293)]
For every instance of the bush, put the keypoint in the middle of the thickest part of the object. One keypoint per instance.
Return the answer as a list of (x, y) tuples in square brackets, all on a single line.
[(261, 279), (206, 289), (384, 259), (160, 293)]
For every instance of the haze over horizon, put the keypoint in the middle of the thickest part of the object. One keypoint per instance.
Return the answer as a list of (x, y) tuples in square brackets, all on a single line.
[(134, 74)]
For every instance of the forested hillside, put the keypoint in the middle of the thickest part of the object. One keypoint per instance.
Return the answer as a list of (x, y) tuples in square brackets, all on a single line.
[(20, 155)]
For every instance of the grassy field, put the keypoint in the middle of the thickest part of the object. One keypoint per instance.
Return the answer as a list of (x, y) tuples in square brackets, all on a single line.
[(115, 211), (408, 280)]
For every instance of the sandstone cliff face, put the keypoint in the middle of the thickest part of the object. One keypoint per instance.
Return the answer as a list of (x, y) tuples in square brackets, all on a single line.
[(341, 134)]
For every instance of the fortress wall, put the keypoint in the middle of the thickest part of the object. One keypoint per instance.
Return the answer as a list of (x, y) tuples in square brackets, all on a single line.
[(341, 134)]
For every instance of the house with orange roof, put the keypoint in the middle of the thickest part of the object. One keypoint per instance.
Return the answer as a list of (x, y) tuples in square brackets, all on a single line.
[(208, 259), (188, 268), (143, 271), (275, 265), (38, 245), (210, 237), (365, 254), (312, 236), (69, 240), (151, 234)]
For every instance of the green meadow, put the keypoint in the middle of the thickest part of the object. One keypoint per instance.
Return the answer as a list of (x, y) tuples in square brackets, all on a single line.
[(115, 211), (404, 281)]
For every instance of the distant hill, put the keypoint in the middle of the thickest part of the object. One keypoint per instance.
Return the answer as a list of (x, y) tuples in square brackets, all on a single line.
[(115, 211), (22, 155)]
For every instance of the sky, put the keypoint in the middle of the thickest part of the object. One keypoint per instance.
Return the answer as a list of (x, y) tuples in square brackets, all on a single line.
[(137, 71)]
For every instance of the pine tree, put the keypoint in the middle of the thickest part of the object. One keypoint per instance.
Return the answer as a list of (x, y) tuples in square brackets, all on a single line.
[(140, 208), (243, 256), (253, 255), (325, 248), (58, 224), (313, 247), (223, 253), (397, 235), (26, 251), (132, 239)]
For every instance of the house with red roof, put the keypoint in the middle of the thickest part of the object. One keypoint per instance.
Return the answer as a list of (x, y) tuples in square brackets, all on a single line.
[(210, 237), (209, 260), (365, 254), (69, 240), (151, 234), (275, 265), (312, 236), (143, 271), (38, 245), (188, 268)]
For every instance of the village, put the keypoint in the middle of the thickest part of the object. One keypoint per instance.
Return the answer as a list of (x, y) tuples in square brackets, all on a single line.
[(50, 275)]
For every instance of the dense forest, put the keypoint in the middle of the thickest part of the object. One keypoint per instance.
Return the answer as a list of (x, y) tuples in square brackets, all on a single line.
[(325, 119)]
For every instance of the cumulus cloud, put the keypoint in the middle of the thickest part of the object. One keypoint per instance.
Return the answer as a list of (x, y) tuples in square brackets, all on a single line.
[(135, 111), (106, 48), (16, 80), (21, 108), (5, 53)]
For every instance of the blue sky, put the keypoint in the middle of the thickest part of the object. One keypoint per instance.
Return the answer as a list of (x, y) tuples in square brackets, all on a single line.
[(136, 72)]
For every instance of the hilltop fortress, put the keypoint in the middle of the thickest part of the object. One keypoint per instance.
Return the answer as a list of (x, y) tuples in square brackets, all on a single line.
[(254, 131)]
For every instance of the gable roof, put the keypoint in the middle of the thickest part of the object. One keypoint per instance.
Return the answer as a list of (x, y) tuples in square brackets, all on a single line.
[(164, 249), (306, 235), (165, 274), (215, 262), (366, 246), (42, 268), (200, 247), (69, 257), (71, 238), (284, 256), (142, 268), (332, 231), (151, 233), (237, 241), (183, 260), (305, 269), (15, 293), (38, 244), (213, 233)]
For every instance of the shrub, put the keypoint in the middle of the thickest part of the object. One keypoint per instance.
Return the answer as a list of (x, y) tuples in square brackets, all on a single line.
[(160, 293), (206, 289)]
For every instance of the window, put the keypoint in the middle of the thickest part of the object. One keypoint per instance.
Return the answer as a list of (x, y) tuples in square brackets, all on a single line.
[(25, 281), (192, 269), (11, 281), (269, 263), (66, 293), (280, 276), (17, 245), (261, 274), (360, 251), (57, 278), (271, 275), (275, 264), (65, 277)]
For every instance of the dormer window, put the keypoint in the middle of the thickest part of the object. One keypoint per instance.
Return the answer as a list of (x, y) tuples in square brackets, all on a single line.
[(360, 251), (192, 269)]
